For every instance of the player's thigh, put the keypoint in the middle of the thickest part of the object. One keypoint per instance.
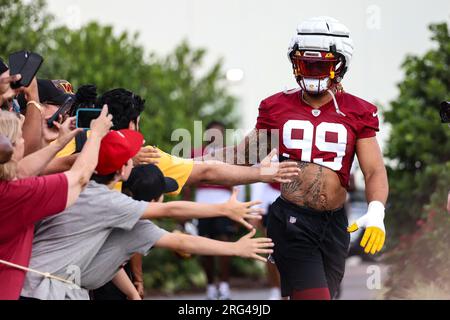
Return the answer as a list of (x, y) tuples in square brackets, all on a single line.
[(335, 251)]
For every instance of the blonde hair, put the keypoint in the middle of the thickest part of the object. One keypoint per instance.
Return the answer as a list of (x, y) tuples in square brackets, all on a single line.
[(10, 126)]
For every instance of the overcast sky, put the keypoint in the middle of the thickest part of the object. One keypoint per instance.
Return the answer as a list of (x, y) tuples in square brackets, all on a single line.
[(253, 35)]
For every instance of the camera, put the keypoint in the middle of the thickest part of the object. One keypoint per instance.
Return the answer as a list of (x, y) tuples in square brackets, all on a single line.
[(445, 112)]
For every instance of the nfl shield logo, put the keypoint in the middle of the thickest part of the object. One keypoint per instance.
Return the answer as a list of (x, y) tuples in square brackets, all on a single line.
[(316, 113), (292, 220)]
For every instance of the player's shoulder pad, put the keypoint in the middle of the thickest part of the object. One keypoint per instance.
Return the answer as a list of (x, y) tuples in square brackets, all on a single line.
[(277, 97), (291, 91), (360, 106)]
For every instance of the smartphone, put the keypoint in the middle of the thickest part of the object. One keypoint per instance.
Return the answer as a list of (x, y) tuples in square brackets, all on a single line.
[(85, 117), (17, 61), (26, 64), (65, 107)]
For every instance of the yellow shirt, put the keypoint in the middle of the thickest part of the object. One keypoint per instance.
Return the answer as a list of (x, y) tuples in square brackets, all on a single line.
[(70, 148), (176, 168), (173, 167)]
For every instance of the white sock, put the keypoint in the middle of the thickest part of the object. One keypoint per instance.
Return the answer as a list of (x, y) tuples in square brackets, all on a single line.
[(224, 289), (211, 292), (275, 293)]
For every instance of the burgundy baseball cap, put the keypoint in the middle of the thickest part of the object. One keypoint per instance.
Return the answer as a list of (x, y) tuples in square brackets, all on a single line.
[(116, 149)]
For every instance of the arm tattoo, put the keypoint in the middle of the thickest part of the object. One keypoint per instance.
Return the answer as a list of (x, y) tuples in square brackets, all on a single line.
[(250, 151)]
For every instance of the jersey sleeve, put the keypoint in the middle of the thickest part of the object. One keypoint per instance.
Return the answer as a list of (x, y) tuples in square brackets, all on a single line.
[(369, 122), (264, 120)]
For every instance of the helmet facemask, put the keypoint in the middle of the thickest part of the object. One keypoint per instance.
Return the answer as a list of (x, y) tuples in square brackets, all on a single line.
[(317, 71)]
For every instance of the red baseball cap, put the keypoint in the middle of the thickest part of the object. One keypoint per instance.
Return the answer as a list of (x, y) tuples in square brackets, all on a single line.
[(116, 149)]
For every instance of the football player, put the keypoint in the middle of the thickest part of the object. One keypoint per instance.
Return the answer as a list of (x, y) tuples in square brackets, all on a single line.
[(322, 128)]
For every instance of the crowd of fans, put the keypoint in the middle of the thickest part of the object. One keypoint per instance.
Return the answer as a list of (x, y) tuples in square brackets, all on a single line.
[(77, 205)]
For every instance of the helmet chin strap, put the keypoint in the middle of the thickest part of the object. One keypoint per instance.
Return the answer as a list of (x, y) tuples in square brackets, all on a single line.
[(304, 86), (336, 106)]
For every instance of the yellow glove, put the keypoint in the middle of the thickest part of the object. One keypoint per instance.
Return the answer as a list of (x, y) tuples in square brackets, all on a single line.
[(375, 234)]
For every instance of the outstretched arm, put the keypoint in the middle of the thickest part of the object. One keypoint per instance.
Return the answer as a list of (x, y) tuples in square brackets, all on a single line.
[(35, 163), (215, 172), (255, 146), (246, 247), (232, 209), (58, 165)]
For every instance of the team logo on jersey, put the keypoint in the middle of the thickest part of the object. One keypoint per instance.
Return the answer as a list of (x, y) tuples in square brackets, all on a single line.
[(316, 113)]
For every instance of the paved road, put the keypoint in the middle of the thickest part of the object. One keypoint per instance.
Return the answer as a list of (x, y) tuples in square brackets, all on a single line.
[(354, 286)]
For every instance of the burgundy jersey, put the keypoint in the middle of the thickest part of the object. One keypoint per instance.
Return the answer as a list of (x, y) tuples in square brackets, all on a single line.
[(320, 136)]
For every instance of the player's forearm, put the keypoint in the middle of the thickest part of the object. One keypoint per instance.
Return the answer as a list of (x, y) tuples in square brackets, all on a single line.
[(228, 155), (204, 246), (377, 187), (244, 154), (230, 175)]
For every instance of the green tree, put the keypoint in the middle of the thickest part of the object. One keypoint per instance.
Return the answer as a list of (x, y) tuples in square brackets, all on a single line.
[(175, 90), (418, 140), (178, 88), (420, 263), (23, 26)]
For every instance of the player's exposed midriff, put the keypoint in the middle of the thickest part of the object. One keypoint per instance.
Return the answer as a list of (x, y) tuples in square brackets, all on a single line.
[(316, 187)]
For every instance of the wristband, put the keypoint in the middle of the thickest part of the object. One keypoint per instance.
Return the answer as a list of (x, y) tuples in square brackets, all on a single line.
[(37, 105)]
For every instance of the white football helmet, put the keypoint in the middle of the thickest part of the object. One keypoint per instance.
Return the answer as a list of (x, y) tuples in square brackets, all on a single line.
[(320, 53)]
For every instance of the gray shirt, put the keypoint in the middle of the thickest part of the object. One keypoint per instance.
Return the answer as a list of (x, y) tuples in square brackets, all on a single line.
[(66, 244), (118, 249)]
